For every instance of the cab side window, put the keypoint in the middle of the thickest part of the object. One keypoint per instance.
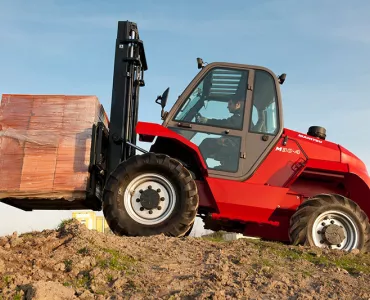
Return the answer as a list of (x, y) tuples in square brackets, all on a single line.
[(264, 117)]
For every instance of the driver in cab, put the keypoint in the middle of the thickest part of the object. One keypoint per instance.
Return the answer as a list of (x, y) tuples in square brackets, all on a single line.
[(235, 121), (224, 149)]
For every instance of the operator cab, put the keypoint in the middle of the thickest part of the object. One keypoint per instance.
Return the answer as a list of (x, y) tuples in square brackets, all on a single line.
[(232, 113)]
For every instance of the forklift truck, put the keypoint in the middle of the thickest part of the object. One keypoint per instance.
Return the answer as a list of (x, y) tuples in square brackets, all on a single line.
[(222, 154)]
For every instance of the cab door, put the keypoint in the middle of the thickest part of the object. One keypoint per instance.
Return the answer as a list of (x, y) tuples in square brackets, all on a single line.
[(213, 114), (253, 129)]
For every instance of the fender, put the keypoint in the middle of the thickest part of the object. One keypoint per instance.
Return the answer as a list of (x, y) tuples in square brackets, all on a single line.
[(148, 131)]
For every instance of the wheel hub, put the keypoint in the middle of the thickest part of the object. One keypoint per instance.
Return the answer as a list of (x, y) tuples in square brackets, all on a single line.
[(335, 230), (334, 234), (149, 199)]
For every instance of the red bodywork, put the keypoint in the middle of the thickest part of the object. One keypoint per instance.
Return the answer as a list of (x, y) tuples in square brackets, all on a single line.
[(290, 173)]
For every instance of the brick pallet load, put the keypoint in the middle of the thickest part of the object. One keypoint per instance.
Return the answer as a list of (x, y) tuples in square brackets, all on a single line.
[(45, 143)]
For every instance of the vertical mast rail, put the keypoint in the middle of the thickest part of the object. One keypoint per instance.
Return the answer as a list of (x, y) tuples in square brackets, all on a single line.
[(129, 66)]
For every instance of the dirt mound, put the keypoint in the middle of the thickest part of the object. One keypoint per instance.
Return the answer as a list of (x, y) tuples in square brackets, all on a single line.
[(73, 262)]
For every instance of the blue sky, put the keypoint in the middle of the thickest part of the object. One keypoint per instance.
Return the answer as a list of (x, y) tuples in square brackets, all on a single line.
[(67, 47)]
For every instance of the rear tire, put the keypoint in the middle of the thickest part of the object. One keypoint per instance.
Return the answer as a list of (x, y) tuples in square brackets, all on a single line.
[(150, 194), (330, 221)]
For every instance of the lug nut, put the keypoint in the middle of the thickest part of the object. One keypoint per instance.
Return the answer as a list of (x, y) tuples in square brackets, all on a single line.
[(322, 242), (339, 245), (149, 187), (150, 211), (141, 191), (137, 200), (319, 232), (158, 190), (162, 198), (142, 208), (332, 222), (159, 207), (323, 223)]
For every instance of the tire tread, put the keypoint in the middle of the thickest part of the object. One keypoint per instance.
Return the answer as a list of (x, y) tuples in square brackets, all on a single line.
[(188, 211)]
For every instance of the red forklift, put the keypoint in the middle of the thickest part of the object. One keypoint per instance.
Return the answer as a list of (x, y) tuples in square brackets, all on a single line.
[(222, 154)]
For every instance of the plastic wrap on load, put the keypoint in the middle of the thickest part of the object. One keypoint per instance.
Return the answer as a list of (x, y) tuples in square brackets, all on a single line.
[(45, 143)]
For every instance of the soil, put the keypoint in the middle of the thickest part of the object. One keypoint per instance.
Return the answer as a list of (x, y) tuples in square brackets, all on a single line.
[(72, 262)]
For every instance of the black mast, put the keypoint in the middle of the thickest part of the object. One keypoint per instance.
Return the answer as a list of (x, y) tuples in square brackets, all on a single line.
[(128, 77)]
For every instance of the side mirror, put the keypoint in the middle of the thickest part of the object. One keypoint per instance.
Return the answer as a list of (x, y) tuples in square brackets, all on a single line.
[(162, 101), (282, 78), (200, 63)]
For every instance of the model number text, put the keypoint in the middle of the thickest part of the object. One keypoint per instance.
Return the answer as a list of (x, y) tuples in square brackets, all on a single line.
[(288, 150)]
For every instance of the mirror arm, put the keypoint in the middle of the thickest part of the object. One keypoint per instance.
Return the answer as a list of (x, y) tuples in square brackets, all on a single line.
[(164, 114)]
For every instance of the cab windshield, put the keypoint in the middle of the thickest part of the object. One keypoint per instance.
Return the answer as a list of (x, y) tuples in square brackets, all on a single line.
[(193, 99), (214, 97)]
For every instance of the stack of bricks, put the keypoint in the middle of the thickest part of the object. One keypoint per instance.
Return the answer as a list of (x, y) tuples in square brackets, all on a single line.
[(45, 143)]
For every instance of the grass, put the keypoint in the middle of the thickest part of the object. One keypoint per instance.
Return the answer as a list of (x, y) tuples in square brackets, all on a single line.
[(353, 264), (214, 239), (83, 251), (116, 261), (17, 296), (217, 237), (306, 273), (267, 262), (7, 279), (63, 223), (109, 277), (83, 279), (68, 265), (27, 235)]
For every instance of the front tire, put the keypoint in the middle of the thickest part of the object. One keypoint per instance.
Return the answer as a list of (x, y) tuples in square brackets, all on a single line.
[(150, 194), (330, 221)]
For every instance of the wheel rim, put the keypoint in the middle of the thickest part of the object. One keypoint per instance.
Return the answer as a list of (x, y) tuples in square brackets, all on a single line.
[(143, 205), (336, 230)]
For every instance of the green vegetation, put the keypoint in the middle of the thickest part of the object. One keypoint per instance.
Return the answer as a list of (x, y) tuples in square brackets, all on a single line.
[(7, 279), (307, 273), (100, 292), (17, 296), (83, 251), (109, 277), (116, 261), (353, 264), (266, 262), (215, 237), (84, 279), (68, 265), (63, 223), (27, 235)]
